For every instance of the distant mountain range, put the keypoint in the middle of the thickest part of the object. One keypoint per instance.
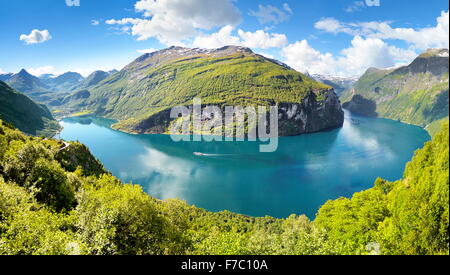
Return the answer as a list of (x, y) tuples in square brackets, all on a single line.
[(416, 94), (339, 84), (142, 94), (47, 88), (28, 116)]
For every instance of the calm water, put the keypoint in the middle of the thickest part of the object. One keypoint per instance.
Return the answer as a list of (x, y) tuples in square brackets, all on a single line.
[(304, 173)]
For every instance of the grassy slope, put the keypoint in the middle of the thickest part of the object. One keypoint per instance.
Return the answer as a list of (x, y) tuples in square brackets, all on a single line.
[(28, 116), (142, 90)]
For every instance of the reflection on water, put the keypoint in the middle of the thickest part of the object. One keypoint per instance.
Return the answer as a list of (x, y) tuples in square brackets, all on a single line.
[(301, 175)]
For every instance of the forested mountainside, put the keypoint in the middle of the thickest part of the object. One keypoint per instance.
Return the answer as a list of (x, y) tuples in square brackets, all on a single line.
[(142, 94), (415, 94), (56, 198), (28, 116)]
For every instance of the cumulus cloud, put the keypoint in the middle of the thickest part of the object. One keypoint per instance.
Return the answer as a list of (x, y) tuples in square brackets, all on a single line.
[(423, 38), (259, 39), (171, 21), (353, 61), (36, 36), (271, 14)]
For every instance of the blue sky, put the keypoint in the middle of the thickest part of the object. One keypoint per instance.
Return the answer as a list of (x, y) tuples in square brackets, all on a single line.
[(334, 37)]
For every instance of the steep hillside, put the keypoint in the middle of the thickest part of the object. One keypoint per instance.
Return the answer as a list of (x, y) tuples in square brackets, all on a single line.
[(25, 114), (416, 94), (142, 94)]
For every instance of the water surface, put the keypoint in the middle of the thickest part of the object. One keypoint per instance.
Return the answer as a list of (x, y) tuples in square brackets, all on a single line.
[(298, 178)]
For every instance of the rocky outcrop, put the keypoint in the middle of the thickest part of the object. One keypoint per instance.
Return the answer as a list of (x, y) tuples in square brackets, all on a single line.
[(317, 112)]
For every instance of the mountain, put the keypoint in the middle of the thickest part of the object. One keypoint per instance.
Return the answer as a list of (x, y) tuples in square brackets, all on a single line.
[(63, 83), (142, 94), (26, 83), (339, 84), (416, 94), (5, 77), (93, 79), (25, 114)]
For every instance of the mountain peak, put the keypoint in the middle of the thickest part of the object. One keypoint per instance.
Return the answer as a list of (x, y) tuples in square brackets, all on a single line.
[(435, 53), (23, 72)]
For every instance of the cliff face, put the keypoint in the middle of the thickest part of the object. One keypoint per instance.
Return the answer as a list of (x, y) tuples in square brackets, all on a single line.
[(318, 111), (311, 114), (141, 95), (416, 94)]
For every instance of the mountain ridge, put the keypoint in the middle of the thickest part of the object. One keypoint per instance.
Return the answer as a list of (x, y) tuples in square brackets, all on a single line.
[(141, 95)]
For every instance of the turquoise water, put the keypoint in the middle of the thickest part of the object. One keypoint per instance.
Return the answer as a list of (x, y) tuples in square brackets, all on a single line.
[(298, 178)]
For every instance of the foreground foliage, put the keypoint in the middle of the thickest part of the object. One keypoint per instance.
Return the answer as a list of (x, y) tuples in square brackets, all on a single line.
[(56, 199)]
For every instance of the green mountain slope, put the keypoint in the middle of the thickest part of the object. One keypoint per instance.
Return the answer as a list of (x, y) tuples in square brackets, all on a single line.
[(145, 90), (416, 94), (25, 114), (55, 198)]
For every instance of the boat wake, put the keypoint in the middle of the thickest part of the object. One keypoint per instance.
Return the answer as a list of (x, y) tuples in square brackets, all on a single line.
[(198, 154)]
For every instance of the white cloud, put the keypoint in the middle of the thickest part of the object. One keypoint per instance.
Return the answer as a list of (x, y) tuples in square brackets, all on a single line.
[(271, 14), (353, 61), (263, 40), (423, 38), (216, 40), (36, 36), (355, 6), (259, 39), (43, 70), (144, 51), (2, 72), (332, 25), (95, 22), (171, 21)]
